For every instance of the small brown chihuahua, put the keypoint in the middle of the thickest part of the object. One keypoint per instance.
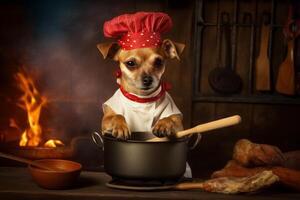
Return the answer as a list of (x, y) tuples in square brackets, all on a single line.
[(141, 104)]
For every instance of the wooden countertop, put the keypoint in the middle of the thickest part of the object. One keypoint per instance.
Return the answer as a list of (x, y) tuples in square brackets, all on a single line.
[(16, 183)]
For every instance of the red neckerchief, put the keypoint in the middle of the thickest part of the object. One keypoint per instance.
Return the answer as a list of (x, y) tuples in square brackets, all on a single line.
[(164, 87)]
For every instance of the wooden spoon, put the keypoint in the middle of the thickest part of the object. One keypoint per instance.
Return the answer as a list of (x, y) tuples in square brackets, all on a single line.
[(221, 123), (27, 161), (262, 66), (286, 76)]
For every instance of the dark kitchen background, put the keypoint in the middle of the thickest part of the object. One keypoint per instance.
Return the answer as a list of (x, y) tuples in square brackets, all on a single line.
[(56, 42)]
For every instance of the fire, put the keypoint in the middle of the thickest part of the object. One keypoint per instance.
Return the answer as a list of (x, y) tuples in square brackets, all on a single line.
[(53, 143), (32, 102)]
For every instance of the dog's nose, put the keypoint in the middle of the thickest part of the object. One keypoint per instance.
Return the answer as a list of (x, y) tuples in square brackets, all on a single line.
[(147, 81)]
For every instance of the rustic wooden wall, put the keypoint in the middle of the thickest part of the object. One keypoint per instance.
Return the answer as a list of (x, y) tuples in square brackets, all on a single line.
[(267, 117)]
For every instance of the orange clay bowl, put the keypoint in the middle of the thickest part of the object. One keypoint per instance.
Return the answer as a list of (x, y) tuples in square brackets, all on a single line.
[(63, 176)]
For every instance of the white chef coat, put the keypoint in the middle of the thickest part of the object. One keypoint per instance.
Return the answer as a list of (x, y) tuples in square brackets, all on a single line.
[(141, 117)]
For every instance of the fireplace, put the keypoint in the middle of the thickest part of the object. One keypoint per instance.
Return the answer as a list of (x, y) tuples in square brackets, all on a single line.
[(59, 62), (37, 126)]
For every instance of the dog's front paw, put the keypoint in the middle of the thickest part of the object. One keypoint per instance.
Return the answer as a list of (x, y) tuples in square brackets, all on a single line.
[(119, 128), (164, 127)]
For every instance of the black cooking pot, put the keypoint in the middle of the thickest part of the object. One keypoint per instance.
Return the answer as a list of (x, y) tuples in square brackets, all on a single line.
[(139, 159)]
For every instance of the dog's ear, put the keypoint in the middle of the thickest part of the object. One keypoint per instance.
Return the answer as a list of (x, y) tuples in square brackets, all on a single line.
[(108, 50), (172, 49)]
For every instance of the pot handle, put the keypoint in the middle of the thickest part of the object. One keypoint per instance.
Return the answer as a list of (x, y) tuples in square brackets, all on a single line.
[(195, 143), (97, 139)]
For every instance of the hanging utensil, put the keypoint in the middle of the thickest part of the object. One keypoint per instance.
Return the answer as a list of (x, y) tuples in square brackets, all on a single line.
[(223, 78), (285, 83), (288, 33), (262, 65), (248, 21), (286, 75)]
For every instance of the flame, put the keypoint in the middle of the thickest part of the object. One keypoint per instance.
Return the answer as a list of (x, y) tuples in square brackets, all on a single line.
[(53, 143), (32, 102)]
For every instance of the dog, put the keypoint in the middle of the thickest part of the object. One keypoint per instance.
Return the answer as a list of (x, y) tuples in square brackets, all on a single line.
[(141, 104), (142, 70)]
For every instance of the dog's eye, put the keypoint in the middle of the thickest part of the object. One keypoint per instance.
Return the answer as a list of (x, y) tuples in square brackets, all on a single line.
[(130, 64), (158, 62)]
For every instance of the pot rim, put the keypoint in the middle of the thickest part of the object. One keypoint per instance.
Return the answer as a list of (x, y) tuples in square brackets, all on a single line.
[(177, 140)]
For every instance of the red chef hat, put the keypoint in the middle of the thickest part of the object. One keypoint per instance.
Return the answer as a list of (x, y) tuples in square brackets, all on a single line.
[(138, 30)]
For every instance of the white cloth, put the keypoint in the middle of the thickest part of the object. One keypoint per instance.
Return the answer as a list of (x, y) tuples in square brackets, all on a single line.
[(141, 117), (188, 171)]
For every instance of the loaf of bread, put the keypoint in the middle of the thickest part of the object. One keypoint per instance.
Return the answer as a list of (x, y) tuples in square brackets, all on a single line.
[(250, 154)]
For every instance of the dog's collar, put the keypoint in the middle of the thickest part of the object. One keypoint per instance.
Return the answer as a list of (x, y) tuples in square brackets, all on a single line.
[(163, 88)]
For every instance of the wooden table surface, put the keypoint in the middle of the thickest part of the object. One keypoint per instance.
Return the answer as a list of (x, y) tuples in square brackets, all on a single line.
[(16, 183)]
